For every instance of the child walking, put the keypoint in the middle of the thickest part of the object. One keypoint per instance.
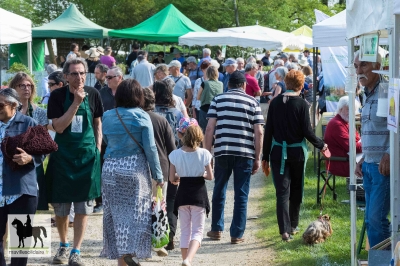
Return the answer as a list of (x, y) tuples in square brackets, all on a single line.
[(187, 168)]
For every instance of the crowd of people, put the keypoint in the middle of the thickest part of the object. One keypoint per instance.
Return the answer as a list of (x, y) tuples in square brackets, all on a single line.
[(173, 126)]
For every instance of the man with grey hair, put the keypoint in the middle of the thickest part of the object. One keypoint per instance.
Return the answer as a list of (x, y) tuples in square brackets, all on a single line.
[(374, 167), (144, 71), (114, 77), (44, 88), (100, 73), (230, 67), (293, 66), (206, 56), (182, 88), (285, 59), (272, 79), (240, 64), (73, 171), (252, 87), (194, 70)]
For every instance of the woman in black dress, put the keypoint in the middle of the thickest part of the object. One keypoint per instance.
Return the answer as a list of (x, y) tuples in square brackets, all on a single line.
[(285, 149)]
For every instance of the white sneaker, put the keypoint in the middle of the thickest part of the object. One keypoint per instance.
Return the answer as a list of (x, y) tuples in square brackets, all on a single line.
[(161, 252), (186, 263)]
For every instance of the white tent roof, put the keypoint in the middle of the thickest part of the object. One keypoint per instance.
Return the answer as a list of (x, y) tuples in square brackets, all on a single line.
[(257, 29), (231, 39), (331, 32), (373, 15), (14, 28)]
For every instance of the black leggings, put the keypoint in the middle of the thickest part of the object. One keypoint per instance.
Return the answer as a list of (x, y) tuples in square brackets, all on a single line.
[(172, 218), (25, 204), (288, 193)]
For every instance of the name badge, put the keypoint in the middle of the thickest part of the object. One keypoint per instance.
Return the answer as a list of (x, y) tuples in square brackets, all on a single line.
[(77, 122)]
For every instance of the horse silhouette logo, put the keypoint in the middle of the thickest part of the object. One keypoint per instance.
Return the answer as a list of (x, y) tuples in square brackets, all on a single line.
[(27, 230)]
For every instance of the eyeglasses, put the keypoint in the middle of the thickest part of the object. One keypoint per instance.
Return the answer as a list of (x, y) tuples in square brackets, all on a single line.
[(77, 74), (110, 77), (3, 104), (24, 86), (51, 84)]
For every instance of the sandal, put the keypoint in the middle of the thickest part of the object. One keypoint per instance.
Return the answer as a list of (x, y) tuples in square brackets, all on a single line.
[(287, 238), (131, 261)]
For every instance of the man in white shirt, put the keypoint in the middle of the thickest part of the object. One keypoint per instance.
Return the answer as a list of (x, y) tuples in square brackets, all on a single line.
[(182, 83), (144, 71)]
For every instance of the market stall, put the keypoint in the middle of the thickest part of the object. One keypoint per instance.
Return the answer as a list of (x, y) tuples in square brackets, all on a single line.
[(231, 39), (15, 29), (165, 27), (366, 17)]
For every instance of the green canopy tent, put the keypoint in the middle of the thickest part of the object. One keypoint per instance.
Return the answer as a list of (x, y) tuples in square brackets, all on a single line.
[(70, 24), (166, 26)]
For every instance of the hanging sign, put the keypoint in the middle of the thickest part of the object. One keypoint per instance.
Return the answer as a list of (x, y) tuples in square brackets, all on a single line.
[(393, 106), (369, 47), (223, 51)]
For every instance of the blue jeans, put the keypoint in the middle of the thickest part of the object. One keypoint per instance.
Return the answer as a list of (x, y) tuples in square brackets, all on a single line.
[(203, 120), (377, 199), (241, 167)]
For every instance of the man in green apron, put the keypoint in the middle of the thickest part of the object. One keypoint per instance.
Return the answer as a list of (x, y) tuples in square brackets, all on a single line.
[(73, 172)]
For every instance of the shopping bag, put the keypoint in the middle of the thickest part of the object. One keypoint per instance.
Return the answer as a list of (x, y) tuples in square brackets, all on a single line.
[(159, 225)]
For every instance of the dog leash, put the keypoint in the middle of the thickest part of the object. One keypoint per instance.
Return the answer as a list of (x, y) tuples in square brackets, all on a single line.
[(324, 188)]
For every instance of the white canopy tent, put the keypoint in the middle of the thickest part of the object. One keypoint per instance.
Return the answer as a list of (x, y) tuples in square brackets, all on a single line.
[(16, 29), (363, 17), (257, 29), (232, 39), (330, 32)]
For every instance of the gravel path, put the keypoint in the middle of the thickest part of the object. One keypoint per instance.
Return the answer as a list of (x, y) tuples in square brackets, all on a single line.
[(251, 252)]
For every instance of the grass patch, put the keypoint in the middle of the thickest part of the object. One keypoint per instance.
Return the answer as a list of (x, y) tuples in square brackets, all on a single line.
[(336, 250)]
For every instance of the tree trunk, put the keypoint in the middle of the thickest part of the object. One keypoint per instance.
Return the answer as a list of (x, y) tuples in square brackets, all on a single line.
[(52, 57), (236, 13)]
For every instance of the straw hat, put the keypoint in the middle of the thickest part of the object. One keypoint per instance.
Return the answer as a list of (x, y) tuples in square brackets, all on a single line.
[(100, 50)]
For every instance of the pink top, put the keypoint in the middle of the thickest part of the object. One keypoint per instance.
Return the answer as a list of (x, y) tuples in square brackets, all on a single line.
[(108, 60), (251, 85)]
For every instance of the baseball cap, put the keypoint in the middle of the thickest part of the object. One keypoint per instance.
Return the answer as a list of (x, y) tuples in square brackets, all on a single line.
[(175, 63), (284, 55), (186, 122), (237, 77), (191, 59), (229, 62)]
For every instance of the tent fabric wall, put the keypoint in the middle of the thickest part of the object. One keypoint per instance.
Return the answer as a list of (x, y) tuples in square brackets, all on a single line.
[(14, 28), (374, 17), (19, 52), (70, 24), (330, 32), (165, 26)]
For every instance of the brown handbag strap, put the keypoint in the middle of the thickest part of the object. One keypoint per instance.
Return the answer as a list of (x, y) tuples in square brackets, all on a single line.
[(127, 131)]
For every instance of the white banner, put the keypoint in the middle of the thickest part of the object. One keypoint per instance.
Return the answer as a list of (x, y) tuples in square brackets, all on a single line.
[(334, 62)]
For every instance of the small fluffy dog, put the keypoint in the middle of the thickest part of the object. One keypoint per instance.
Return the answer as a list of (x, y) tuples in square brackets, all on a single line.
[(318, 231)]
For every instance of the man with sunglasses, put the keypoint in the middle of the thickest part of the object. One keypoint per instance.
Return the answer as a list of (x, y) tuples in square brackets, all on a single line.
[(114, 77), (374, 167), (73, 171)]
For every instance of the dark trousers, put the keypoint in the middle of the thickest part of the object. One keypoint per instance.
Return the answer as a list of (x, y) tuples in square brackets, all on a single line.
[(99, 200), (25, 204), (172, 218), (289, 193)]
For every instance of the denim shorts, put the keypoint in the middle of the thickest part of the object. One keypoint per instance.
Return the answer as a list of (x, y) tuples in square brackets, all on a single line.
[(83, 207)]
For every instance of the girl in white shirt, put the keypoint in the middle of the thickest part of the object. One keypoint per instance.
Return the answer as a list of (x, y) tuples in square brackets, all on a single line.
[(187, 168)]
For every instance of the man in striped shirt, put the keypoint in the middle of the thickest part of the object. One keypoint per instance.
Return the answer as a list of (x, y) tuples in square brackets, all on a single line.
[(236, 119)]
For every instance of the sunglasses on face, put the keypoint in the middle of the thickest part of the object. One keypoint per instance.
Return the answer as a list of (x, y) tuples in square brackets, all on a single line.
[(24, 86), (77, 74), (110, 77), (51, 84)]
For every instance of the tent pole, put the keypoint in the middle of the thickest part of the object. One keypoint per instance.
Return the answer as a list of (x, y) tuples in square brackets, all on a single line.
[(315, 89), (394, 137), (352, 161), (29, 48)]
